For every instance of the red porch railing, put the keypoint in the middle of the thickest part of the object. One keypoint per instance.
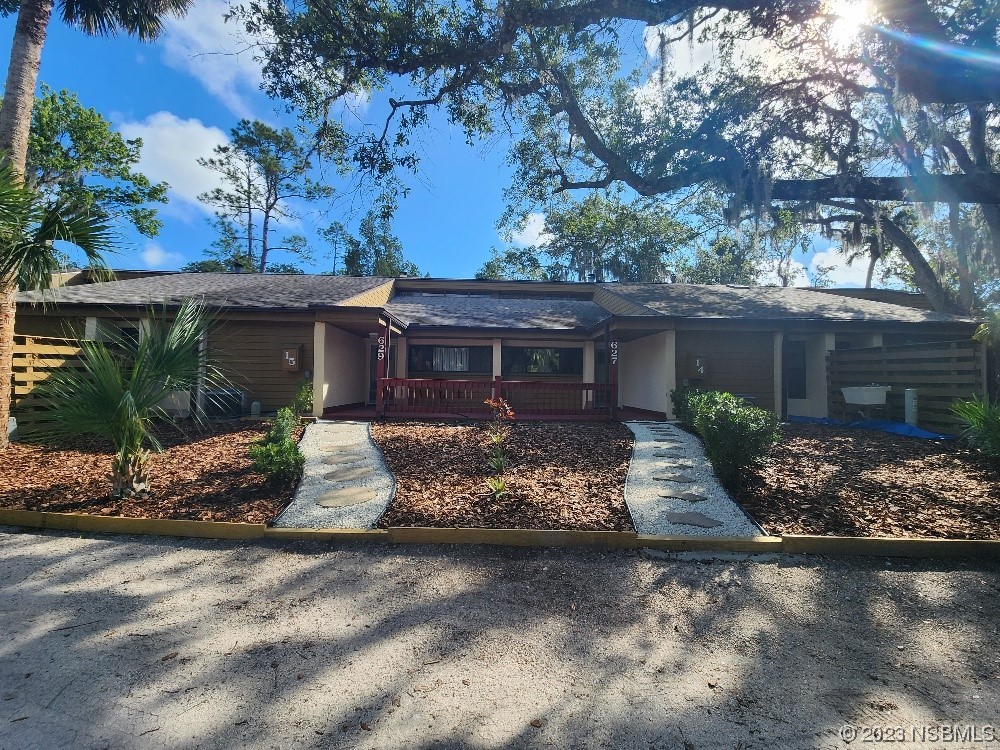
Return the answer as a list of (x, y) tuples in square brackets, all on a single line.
[(529, 398)]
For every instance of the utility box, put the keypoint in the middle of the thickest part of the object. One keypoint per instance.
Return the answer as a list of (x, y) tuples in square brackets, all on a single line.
[(291, 358)]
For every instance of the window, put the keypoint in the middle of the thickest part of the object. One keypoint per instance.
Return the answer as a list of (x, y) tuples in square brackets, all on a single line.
[(794, 356), (426, 359), (529, 360)]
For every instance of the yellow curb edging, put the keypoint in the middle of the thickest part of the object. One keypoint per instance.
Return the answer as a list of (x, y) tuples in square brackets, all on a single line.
[(125, 525), (792, 543)]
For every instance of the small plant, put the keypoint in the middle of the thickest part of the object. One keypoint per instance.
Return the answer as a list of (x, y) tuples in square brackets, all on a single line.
[(682, 399), (497, 461), (736, 436), (497, 487), (277, 455), (302, 403), (982, 420)]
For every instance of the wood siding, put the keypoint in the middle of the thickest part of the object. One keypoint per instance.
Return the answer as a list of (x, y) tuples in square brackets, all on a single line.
[(49, 325), (736, 362), (35, 358), (249, 353)]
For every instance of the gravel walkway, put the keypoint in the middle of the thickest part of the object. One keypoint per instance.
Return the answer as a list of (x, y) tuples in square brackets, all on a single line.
[(699, 506), (345, 483), (139, 643)]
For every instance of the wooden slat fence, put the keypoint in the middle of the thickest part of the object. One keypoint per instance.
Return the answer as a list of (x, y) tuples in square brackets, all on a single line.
[(35, 358), (940, 372)]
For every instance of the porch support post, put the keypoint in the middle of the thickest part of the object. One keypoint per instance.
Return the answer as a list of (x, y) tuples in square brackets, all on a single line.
[(381, 358), (780, 405), (611, 349), (319, 368), (497, 357), (587, 397)]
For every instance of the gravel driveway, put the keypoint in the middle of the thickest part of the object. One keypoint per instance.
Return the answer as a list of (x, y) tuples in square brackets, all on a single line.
[(128, 642)]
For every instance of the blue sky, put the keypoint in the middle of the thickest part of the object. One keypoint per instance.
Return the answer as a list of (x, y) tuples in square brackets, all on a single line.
[(182, 98), (183, 93)]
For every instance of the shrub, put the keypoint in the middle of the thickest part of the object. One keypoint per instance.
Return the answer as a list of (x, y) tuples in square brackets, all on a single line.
[(282, 426), (497, 487), (302, 404), (280, 461), (736, 435), (983, 425), (681, 398), (277, 455)]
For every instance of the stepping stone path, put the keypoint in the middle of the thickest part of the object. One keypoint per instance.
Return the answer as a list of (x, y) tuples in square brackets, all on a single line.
[(345, 483), (693, 519), (684, 478), (346, 496), (691, 497), (349, 475)]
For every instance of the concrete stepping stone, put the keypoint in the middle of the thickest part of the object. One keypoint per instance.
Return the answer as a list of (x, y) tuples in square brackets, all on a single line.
[(684, 478), (344, 458), (349, 475), (341, 498), (666, 446), (679, 463), (666, 455), (693, 519), (691, 497)]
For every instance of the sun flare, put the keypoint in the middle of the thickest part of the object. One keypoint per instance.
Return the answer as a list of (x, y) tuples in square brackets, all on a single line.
[(850, 16)]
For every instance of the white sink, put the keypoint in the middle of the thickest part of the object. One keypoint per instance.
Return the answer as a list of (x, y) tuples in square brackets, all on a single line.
[(866, 395)]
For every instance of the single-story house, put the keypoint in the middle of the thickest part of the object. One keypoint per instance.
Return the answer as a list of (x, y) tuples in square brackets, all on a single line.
[(432, 346)]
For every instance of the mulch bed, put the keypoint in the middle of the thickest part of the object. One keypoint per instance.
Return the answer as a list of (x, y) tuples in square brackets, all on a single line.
[(561, 476), (204, 476), (834, 481)]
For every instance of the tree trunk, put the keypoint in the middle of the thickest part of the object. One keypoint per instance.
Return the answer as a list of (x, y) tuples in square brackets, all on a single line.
[(263, 240), (130, 475), (871, 271), (22, 76), (15, 123)]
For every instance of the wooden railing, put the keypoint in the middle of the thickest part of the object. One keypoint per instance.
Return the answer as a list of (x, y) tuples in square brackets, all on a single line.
[(940, 373), (528, 398), (35, 358)]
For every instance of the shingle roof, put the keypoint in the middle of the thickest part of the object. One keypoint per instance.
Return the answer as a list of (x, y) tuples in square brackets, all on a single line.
[(263, 291), (768, 303), (490, 312)]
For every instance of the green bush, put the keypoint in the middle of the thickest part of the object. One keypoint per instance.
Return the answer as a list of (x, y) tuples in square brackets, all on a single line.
[(302, 404), (983, 425), (277, 455), (282, 426), (281, 461), (736, 435), (682, 399)]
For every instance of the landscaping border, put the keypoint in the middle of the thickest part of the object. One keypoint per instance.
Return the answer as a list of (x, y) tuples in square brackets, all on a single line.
[(791, 544)]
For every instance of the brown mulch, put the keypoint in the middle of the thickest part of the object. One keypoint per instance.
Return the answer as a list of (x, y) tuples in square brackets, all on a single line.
[(834, 481), (561, 476), (204, 475)]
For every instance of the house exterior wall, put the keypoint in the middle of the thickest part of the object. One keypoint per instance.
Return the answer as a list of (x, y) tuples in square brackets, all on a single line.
[(740, 362), (55, 326), (249, 354), (647, 372)]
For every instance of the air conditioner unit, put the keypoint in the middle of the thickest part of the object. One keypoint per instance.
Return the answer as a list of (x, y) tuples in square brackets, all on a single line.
[(226, 402)]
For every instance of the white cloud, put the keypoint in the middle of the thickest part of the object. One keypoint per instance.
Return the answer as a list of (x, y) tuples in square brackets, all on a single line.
[(156, 258), (841, 273), (170, 150), (219, 54), (532, 231), (769, 273)]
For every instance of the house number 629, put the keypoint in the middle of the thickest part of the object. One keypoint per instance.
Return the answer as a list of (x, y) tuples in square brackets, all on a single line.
[(614, 352), (381, 347)]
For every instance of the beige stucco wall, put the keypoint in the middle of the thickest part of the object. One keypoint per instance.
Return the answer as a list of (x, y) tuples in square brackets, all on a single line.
[(647, 372), (344, 368), (815, 403)]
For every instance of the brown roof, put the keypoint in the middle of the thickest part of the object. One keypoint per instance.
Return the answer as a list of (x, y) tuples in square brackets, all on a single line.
[(232, 290), (769, 303), (491, 312)]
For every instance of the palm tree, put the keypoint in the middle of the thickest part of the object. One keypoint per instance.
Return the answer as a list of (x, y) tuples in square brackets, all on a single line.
[(29, 225), (141, 18), (119, 390)]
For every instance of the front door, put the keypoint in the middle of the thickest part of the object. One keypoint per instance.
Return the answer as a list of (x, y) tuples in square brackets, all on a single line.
[(390, 369)]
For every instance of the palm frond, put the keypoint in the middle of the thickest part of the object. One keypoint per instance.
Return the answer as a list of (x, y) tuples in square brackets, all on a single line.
[(140, 18)]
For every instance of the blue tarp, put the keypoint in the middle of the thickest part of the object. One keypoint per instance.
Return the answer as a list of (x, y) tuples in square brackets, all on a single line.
[(883, 425)]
